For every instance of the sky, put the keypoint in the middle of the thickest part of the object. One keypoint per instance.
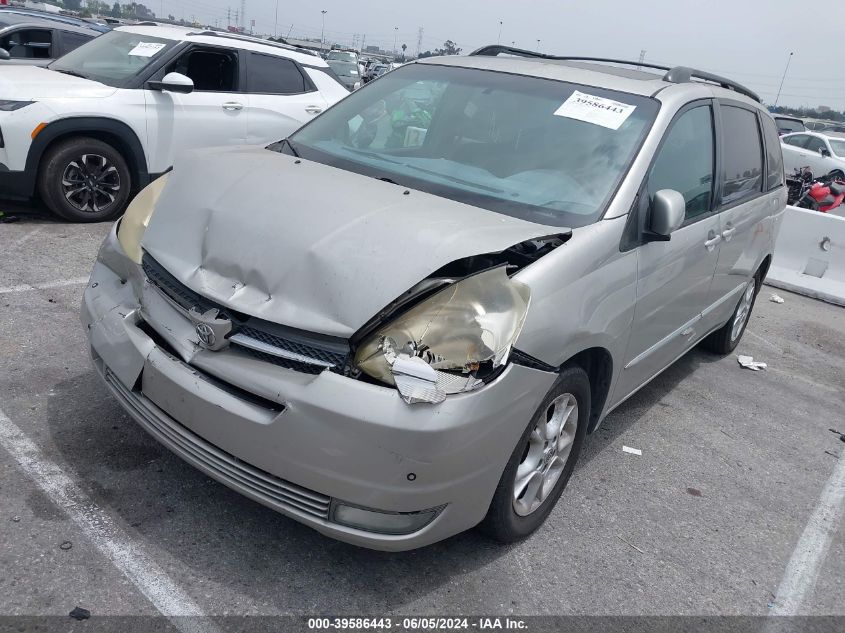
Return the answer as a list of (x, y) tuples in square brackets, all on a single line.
[(748, 41)]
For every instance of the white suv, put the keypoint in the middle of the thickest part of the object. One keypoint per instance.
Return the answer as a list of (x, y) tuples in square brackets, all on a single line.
[(106, 119)]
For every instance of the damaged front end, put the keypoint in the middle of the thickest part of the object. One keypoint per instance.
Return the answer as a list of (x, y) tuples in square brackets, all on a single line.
[(436, 341)]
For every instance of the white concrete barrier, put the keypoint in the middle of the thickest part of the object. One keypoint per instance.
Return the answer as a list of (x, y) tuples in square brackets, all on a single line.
[(809, 255)]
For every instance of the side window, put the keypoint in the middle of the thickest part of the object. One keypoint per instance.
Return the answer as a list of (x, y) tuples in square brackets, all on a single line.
[(774, 154), (71, 41), (798, 140), (742, 155), (685, 161), (211, 69), (268, 74), (815, 144), (29, 44)]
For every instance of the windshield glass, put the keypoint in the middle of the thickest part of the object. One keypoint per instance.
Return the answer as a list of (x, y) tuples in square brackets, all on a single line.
[(344, 69), (523, 146), (343, 56), (788, 125), (838, 146), (114, 57)]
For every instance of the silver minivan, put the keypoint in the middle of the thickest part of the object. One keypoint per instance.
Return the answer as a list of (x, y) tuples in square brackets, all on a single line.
[(404, 320)]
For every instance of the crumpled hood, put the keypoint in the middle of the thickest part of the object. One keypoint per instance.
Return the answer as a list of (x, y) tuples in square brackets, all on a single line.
[(308, 245), (33, 82)]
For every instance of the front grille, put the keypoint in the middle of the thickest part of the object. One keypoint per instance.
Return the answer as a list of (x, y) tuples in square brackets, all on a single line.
[(221, 465), (327, 349)]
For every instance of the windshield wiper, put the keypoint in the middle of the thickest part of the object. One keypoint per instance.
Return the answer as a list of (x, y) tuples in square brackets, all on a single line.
[(72, 73)]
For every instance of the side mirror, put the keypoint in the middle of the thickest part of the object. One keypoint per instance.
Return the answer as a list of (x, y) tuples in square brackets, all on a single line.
[(667, 214), (824, 152), (172, 82), (4, 54)]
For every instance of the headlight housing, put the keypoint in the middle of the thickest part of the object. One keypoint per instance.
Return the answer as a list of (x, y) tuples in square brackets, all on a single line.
[(449, 342), (134, 222)]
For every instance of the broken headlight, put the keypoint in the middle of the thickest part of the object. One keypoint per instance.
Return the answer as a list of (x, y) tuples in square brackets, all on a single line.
[(451, 341), (134, 222)]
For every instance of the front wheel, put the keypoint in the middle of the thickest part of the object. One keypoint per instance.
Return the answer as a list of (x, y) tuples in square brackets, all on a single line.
[(724, 340), (542, 462), (83, 179)]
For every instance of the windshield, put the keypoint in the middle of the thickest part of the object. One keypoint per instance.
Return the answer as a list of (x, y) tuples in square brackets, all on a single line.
[(114, 57), (344, 69), (838, 146), (545, 151), (788, 125), (343, 56)]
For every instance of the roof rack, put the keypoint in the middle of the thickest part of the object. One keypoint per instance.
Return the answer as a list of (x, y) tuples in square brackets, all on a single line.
[(675, 75), (257, 40)]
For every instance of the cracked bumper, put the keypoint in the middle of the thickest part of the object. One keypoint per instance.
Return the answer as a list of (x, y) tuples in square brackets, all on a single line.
[(325, 438)]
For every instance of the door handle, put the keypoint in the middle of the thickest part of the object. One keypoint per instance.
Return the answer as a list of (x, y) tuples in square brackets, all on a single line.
[(312, 109), (233, 105), (710, 244), (727, 233)]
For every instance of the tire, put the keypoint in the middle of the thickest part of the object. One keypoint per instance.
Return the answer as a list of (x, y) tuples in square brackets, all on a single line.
[(82, 179), (503, 521), (724, 340)]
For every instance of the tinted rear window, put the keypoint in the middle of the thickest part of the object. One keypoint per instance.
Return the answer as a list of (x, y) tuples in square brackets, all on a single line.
[(774, 154), (274, 75)]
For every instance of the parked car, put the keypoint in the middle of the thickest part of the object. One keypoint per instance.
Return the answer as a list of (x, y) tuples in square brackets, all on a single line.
[(788, 124), (823, 153), (404, 319), (36, 40), (348, 73), (109, 117)]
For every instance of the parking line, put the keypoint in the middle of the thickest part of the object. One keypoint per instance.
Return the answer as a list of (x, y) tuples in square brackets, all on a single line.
[(810, 552), (150, 579), (59, 283)]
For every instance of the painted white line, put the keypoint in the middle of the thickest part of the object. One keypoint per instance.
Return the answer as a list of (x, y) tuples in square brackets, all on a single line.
[(810, 552), (102, 531), (58, 283)]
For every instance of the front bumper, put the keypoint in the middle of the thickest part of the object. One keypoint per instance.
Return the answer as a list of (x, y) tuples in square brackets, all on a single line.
[(15, 184), (295, 442)]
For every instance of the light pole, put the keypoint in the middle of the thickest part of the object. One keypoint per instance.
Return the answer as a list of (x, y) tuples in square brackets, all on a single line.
[(789, 59), (275, 24), (395, 39), (323, 32), (538, 46), (499, 41)]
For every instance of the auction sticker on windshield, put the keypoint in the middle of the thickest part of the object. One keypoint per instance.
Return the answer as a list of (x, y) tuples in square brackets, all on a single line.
[(598, 110), (146, 49)]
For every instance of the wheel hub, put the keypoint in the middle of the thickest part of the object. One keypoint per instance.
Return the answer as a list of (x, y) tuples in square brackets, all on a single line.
[(90, 183)]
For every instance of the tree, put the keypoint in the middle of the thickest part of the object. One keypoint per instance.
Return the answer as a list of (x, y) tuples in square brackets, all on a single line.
[(72, 5), (404, 48), (115, 10), (449, 48)]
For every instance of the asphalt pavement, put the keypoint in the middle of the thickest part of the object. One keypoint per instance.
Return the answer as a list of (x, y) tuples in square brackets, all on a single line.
[(734, 470)]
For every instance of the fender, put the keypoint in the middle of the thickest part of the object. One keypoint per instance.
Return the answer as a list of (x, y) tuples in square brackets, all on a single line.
[(130, 146)]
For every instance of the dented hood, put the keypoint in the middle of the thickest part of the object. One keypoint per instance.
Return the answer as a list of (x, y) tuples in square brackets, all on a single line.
[(308, 245)]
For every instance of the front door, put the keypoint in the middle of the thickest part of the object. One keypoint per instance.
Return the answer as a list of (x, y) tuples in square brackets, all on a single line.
[(674, 276), (213, 114)]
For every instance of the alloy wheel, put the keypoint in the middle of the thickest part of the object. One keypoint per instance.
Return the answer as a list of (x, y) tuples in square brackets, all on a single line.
[(545, 455), (743, 310), (90, 183)]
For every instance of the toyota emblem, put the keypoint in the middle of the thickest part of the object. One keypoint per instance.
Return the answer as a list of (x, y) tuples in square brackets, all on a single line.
[(206, 334)]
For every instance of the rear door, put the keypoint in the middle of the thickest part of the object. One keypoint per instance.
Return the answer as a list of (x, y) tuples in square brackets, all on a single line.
[(821, 151), (674, 277), (748, 194), (796, 155), (213, 114), (70, 40), (281, 97)]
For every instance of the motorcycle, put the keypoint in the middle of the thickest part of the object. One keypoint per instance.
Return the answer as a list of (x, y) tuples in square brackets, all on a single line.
[(807, 192)]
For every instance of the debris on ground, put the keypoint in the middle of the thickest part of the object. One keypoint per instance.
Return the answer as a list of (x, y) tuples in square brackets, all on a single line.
[(8, 219), (633, 451), (66, 545), (16, 519), (776, 298), (630, 544), (841, 435), (695, 492), (749, 363), (79, 613)]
